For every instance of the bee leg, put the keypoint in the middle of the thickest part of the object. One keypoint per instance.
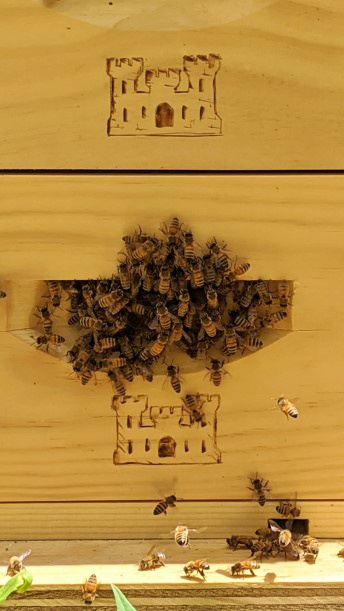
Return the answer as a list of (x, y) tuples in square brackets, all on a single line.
[(252, 573)]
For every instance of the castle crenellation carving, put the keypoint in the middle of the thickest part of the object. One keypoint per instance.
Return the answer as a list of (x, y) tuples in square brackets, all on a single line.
[(150, 100)]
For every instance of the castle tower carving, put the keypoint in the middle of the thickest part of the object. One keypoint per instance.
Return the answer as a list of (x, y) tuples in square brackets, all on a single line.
[(164, 101), (165, 434)]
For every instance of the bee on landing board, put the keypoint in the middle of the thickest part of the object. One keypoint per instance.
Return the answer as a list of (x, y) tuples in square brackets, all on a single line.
[(89, 590), (152, 560), (246, 565), (161, 507), (196, 565), (287, 407), (259, 489), (47, 340), (235, 540), (16, 563), (286, 543)]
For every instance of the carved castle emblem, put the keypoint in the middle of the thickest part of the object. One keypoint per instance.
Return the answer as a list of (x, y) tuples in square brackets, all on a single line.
[(150, 101), (162, 435)]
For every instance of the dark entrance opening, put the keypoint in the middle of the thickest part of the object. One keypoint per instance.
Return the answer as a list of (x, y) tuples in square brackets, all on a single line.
[(167, 447), (164, 115)]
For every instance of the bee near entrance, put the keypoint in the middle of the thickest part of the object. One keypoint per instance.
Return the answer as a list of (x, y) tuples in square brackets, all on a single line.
[(164, 115), (297, 526), (167, 447)]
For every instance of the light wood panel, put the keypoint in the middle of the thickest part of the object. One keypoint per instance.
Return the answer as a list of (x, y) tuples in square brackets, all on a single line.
[(135, 520), (279, 88), (58, 438), (70, 562)]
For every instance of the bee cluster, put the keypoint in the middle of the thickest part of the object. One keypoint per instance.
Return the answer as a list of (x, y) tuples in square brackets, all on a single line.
[(168, 292)]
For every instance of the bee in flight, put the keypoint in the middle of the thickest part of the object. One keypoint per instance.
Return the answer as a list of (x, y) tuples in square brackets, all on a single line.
[(161, 507), (16, 563)]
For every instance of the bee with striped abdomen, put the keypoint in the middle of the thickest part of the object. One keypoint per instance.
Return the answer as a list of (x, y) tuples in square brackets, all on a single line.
[(89, 590), (208, 326), (194, 406), (16, 565), (196, 565), (117, 383), (222, 261), (259, 489), (239, 568), (91, 323), (46, 340), (285, 541), (152, 560), (239, 540), (263, 292), (212, 299), (162, 506), (287, 407), (288, 510), (251, 343), (181, 535), (144, 370), (173, 228), (159, 345), (54, 289), (2, 295), (184, 303), (164, 280), (173, 375), (283, 293), (230, 345), (241, 269), (216, 371), (124, 276), (310, 548), (197, 276)]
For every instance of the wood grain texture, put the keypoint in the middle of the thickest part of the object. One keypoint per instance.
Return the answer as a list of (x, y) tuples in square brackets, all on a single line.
[(58, 438), (280, 86), (68, 563)]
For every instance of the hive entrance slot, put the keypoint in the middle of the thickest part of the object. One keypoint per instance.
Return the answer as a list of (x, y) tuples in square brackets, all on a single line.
[(296, 526)]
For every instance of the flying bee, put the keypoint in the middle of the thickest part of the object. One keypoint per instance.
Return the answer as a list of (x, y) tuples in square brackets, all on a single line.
[(159, 345), (196, 565), (16, 563), (259, 489), (288, 509), (2, 294), (164, 280), (173, 375), (197, 275), (162, 506), (184, 303), (246, 565), (173, 228), (287, 407), (54, 292), (89, 589), (181, 535), (263, 291), (230, 345), (212, 299), (152, 560), (216, 371), (208, 326), (46, 340)]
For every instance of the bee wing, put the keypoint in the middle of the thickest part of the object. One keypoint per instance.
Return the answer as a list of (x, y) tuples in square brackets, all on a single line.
[(149, 552), (199, 530), (25, 555), (289, 524), (274, 526)]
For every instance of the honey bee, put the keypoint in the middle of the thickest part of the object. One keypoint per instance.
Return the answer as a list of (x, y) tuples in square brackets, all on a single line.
[(137, 308), (241, 322), (119, 305), (159, 345), (110, 299), (199, 350), (173, 228), (241, 269), (263, 291), (190, 317), (287, 407), (113, 362), (285, 541), (230, 345), (144, 370), (212, 299), (208, 326), (164, 280), (259, 489), (143, 250), (124, 276), (46, 340), (196, 565), (288, 509), (16, 563), (162, 506), (209, 270), (89, 590), (221, 258), (176, 332), (247, 296), (251, 343), (47, 323), (164, 317), (91, 323), (184, 303), (310, 547), (216, 371), (73, 320), (172, 373), (126, 347), (2, 294), (181, 535), (86, 375), (127, 372), (54, 292), (88, 297), (197, 273), (283, 294), (267, 547), (148, 278), (340, 554), (274, 318), (236, 540), (239, 568), (152, 560)]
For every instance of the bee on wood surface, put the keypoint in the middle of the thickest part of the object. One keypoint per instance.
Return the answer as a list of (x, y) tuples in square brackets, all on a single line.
[(208, 326), (259, 489), (197, 276), (340, 554), (230, 345), (152, 560), (267, 547), (310, 547), (2, 294), (222, 260), (239, 568), (173, 228), (159, 345), (241, 269), (173, 375), (263, 291), (287, 407), (143, 250), (46, 340), (239, 540), (127, 372), (144, 370), (86, 375), (54, 289), (47, 323), (251, 343), (196, 565), (194, 405), (16, 563), (89, 590), (283, 293), (216, 371), (285, 541), (117, 383), (88, 322), (288, 509), (162, 506)]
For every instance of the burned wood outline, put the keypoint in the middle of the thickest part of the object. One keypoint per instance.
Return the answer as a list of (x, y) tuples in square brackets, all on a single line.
[(150, 101)]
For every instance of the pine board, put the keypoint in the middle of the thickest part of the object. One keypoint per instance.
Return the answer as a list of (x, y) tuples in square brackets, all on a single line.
[(279, 89)]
